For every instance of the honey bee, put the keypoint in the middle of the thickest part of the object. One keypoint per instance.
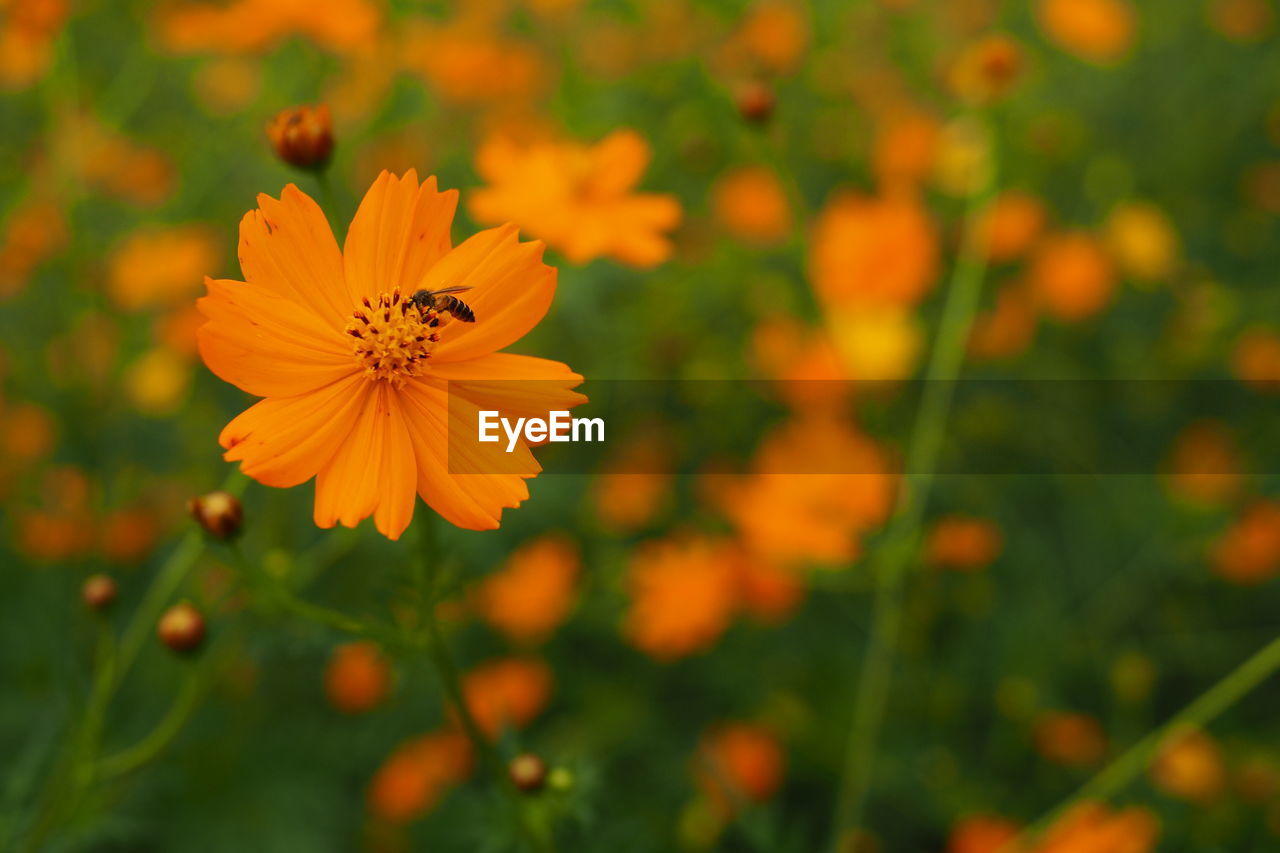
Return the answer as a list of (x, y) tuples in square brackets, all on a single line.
[(445, 302)]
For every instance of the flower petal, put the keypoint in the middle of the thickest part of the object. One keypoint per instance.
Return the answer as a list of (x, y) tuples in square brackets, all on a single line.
[(473, 500), (517, 385), (286, 248), (511, 292), (372, 472), (265, 344), (284, 441), (399, 232)]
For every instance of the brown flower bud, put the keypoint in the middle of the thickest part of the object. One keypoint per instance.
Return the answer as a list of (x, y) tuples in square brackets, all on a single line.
[(181, 627), (528, 772), (756, 101), (302, 136), (219, 513), (98, 592)]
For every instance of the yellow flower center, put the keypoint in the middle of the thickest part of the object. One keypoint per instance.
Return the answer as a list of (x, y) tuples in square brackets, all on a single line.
[(393, 337)]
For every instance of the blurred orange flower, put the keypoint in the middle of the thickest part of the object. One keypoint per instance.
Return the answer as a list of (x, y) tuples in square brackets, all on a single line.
[(1248, 552), (1190, 767), (905, 145), (1143, 241), (981, 834), (1242, 20), (414, 777), (873, 250), (987, 68), (160, 266), (33, 233), (534, 591), (1071, 276), (966, 544), (361, 387), (1100, 31), (1008, 328), (634, 487), (246, 26), (1204, 466), (819, 485), (1255, 359), (357, 677), (467, 62), (772, 37), (1011, 225), (751, 204), (1095, 828), (507, 692), (27, 34), (128, 535), (578, 198), (683, 596), (737, 762), (1068, 738)]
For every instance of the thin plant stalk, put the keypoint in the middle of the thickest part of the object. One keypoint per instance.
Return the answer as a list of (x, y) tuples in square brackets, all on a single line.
[(901, 539)]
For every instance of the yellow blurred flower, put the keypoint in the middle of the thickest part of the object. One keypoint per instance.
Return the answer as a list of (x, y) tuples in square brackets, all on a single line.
[(577, 198), (1190, 767), (1143, 241), (533, 592), (161, 266), (157, 381), (876, 342), (1100, 31), (751, 204)]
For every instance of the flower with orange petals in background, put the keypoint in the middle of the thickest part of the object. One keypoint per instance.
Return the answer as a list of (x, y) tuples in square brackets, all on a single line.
[(1255, 359), (577, 198), (869, 250), (987, 69), (416, 775), (160, 266), (357, 678), (1204, 466), (1242, 20), (34, 231), (363, 387), (1069, 738), (981, 834), (751, 205), (683, 596), (1071, 277), (805, 362), (904, 148), (302, 136), (633, 487), (250, 26), (27, 34), (1190, 767), (738, 763), (962, 543), (1248, 552), (507, 693), (1011, 225), (1096, 828), (773, 37), (1100, 31), (534, 591), (1007, 329), (819, 485), (467, 62)]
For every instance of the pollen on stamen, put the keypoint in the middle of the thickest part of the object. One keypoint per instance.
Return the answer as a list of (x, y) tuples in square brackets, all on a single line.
[(394, 349)]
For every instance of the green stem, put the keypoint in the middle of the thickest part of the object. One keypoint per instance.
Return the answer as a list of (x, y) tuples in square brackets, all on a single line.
[(1136, 759), (145, 750), (537, 835), (899, 546)]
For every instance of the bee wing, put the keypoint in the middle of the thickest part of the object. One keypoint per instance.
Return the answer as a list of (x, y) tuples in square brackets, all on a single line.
[(459, 288)]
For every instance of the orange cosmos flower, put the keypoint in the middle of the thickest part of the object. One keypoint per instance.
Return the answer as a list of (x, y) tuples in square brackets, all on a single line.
[(750, 203), (247, 26), (1255, 359), (1204, 466), (467, 62), (534, 591), (160, 266), (1011, 224), (1095, 30), (1008, 328), (1071, 276), (507, 692), (874, 250), (964, 544), (684, 594), (1069, 738), (1248, 552), (578, 198), (981, 834), (417, 773), (362, 390), (905, 146), (27, 34), (1095, 828), (738, 761), (1190, 767), (357, 677)]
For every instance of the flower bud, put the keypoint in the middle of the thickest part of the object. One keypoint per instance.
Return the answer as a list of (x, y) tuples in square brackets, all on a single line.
[(219, 513), (303, 136), (756, 101), (528, 772), (181, 628), (98, 592)]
